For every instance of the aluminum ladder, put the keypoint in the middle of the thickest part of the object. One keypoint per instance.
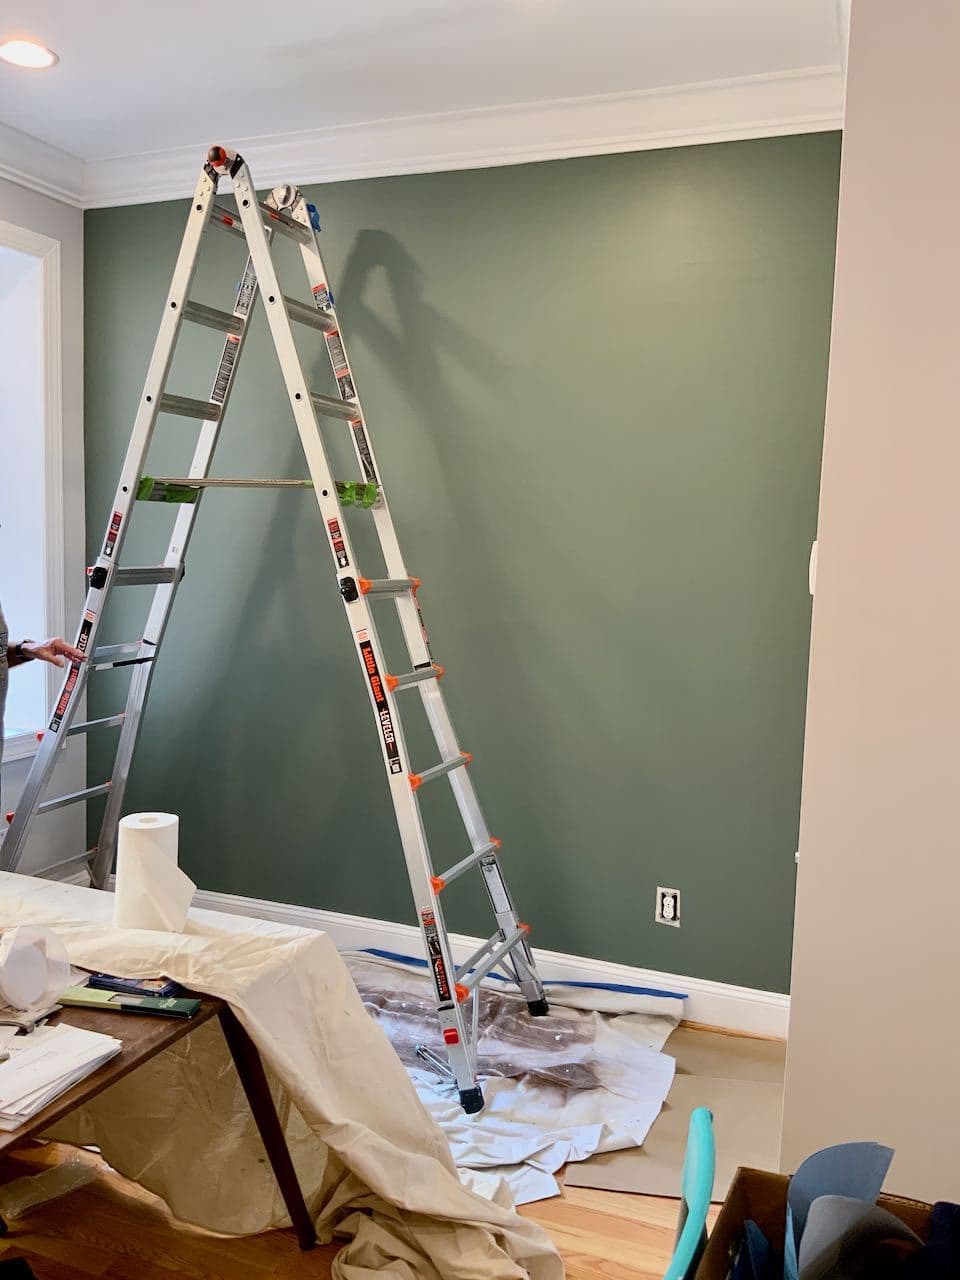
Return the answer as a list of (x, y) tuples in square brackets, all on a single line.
[(285, 215)]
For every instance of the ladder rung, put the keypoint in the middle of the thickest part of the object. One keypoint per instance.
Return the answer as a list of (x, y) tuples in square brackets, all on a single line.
[(187, 407), (334, 408), (110, 652), (305, 314), (446, 766), (226, 221), (212, 318), (280, 222), (467, 981), (87, 794), (387, 586), (145, 575), (441, 881), (189, 482), (410, 678), (106, 722)]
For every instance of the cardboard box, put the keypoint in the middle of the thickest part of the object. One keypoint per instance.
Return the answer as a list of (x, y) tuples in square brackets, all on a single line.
[(763, 1197)]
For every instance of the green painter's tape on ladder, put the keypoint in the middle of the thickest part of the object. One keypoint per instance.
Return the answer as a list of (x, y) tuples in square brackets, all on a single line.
[(150, 490), (357, 493)]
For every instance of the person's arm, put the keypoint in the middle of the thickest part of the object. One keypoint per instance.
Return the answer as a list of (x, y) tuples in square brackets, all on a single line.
[(53, 651)]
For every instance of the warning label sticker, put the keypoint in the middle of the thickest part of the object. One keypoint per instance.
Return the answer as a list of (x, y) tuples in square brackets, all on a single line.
[(225, 371), (246, 290), (363, 449), (322, 295), (380, 701), (338, 357), (336, 538), (113, 533), (439, 969)]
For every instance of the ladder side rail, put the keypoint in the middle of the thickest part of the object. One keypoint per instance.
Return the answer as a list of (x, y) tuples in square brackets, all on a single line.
[(74, 683), (101, 862), (408, 609), (369, 652)]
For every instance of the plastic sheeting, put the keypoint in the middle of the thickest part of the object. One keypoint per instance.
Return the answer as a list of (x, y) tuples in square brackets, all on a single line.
[(372, 1165), (556, 1089)]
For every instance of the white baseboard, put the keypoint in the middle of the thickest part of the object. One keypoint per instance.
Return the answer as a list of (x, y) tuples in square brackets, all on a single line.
[(717, 1004)]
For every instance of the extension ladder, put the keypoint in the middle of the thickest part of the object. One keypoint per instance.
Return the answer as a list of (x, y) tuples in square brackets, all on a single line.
[(286, 214)]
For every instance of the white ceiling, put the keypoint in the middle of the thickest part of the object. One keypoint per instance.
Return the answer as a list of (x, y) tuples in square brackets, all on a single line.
[(137, 77)]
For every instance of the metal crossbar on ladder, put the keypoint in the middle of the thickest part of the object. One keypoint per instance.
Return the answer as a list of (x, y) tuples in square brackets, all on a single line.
[(286, 214)]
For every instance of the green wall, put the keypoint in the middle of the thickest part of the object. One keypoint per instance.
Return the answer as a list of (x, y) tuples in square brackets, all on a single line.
[(596, 388)]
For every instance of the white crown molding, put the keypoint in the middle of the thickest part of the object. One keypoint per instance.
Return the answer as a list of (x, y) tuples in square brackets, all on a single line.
[(36, 165), (715, 1004), (808, 100)]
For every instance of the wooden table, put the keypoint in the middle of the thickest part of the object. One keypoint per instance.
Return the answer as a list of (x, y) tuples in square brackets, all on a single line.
[(144, 1036)]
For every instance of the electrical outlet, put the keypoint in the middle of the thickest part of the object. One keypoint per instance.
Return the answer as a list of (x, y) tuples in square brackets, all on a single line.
[(668, 907)]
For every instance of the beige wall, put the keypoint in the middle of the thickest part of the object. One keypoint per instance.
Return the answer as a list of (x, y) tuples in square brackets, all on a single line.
[(874, 1047)]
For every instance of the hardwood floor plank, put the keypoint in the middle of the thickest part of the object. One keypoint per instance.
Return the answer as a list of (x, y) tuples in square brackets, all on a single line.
[(113, 1229)]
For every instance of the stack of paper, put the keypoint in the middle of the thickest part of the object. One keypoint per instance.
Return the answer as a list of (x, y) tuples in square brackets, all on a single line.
[(42, 1065)]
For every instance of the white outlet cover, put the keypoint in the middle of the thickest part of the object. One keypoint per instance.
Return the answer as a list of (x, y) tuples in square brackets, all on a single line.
[(668, 907)]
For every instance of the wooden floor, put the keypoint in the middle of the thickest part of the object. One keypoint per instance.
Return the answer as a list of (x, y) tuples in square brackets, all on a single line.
[(113, 1230)]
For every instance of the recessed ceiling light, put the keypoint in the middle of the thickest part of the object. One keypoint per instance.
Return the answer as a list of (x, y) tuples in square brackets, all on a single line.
[(27, 53)]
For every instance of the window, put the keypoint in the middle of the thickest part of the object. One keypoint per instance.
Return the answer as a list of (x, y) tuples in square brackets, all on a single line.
[(31, 537)]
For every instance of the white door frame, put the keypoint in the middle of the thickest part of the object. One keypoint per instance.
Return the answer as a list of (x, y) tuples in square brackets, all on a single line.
[(51, 528)]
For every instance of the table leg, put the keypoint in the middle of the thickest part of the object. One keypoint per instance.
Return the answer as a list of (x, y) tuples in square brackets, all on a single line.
[(254, 1081)]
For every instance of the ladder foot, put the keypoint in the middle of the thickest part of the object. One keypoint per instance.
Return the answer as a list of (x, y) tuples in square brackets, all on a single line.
[(538, 1008), (472, 1100)]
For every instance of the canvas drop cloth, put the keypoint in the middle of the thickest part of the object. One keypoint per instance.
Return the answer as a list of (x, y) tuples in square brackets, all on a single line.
[(556, 1089), (373, 1166)]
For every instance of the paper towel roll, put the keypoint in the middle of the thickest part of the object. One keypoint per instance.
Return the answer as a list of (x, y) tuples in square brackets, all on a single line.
[(151, 892)]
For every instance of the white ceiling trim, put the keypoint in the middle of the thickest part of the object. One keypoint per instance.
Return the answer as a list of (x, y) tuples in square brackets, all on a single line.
[(35, 164), (802, 101)]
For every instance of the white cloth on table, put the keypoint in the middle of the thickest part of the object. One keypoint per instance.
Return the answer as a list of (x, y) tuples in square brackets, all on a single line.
[(372, 1164)]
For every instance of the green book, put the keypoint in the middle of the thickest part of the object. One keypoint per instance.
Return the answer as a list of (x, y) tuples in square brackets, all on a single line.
[(161, 1006)]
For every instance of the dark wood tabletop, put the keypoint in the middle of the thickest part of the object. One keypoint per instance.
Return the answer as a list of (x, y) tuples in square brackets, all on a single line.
[(143, 1036)]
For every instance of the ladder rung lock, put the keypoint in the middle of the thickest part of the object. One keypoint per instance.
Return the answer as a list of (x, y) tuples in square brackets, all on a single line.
[(280, 222), (305, 314), (187, 407), (387, 586), (107, 722), (471, 860), (88, 793), (334, 408), (212, 318), (145, 575), (226, 221), (411, 678), (417, 780)]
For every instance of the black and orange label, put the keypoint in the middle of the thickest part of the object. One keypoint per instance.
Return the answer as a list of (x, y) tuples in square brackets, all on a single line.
[(380, 701)]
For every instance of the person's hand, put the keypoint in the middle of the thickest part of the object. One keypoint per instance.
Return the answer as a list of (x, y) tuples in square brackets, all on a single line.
[(54, 651)]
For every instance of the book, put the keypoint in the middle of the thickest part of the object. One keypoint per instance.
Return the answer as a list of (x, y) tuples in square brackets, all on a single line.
[(135, 986), (114, 1001)]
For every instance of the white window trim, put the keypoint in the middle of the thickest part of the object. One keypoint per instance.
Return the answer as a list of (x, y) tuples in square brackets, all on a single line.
[(47, 250)]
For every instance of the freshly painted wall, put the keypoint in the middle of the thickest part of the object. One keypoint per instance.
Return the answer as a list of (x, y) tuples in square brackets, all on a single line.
[(596, 388)]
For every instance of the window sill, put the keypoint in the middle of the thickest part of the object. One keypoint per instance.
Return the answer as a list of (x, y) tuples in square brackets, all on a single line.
[(19, 746)]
